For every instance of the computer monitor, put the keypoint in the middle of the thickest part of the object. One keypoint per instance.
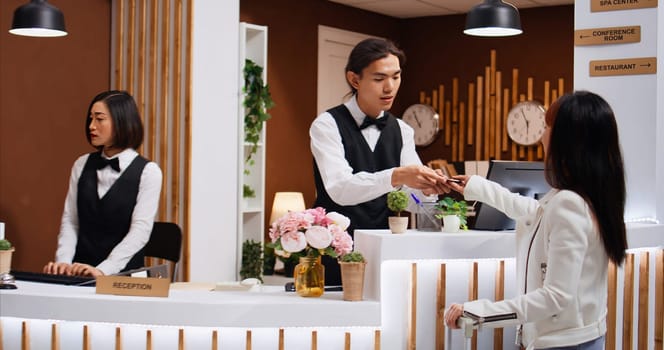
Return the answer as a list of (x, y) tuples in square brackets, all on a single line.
[(525, 178)]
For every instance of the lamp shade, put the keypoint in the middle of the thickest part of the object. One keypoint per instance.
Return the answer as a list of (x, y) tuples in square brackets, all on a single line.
[(38, 18), (493, 18), (285, 202)]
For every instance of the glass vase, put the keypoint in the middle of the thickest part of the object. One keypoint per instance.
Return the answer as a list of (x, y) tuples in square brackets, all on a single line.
[(309, 277)]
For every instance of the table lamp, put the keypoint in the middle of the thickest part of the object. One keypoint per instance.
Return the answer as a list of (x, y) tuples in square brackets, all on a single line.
[(285, 202)]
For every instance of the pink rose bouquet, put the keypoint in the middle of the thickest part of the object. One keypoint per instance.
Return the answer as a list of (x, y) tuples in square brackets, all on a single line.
[(311, 232)]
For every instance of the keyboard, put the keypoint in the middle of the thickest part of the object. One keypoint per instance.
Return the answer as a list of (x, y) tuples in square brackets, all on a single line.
[(55, 279)]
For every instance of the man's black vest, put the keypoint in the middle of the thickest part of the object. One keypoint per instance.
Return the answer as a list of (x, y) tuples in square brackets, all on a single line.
[(387, 154), (104, 222)]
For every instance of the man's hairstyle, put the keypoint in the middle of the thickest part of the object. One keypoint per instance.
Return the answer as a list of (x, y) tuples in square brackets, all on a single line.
[(369, 50)]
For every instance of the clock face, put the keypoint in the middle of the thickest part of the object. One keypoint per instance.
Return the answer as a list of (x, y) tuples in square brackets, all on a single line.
[(525, 123), (424, 121)]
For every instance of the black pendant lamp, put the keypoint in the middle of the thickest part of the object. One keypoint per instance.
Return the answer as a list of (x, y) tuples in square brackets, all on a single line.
[(38, 18), (493, 18)]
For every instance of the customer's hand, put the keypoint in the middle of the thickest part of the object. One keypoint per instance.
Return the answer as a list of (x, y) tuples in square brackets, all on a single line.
[(459, 186), (420, 177), (452, 315)]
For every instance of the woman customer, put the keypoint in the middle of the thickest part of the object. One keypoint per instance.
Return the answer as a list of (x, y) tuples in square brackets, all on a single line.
[(113, 194), (566, 239)]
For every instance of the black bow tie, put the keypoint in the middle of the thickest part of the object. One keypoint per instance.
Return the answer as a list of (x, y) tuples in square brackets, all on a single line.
[(114, 163), (378, 122)]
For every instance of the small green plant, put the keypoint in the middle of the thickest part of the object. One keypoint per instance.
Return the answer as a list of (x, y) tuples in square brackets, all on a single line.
[(352, 257), (252, 260), (5, 244), (449, 206), (397, 201), (269, 258), (248, 192)]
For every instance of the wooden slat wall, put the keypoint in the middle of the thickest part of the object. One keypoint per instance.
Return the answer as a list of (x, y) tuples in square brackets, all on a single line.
[(152, 61), (481, 116)]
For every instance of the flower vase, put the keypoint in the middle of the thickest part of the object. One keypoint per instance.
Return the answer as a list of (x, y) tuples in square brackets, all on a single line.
[(309, 277)]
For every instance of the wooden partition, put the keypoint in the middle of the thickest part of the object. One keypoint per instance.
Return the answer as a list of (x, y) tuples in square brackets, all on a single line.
[(478, 120), (152, 61)]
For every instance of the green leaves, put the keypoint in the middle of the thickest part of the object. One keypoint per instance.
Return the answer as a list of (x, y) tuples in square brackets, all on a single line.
[(257, 100), (449, 206), (397, 201)]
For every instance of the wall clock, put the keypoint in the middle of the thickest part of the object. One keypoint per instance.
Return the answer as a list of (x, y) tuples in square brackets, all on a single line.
[(525, 123), (424, 121)]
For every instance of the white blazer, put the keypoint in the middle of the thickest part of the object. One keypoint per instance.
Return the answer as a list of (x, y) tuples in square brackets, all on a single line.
[(561, 268)]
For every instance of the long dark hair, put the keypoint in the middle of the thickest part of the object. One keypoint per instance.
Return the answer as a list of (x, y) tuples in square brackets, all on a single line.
[(127, 124), (369, 50), (584, 156)]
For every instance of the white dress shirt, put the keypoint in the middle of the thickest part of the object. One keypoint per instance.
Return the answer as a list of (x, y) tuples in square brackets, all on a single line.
[(147, 202), (344, 187)]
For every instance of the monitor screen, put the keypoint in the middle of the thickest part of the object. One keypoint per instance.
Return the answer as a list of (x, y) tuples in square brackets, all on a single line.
[(525, 178)]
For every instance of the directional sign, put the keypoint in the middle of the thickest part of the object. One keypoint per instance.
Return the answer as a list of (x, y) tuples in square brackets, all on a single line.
[(613, 5), (623, 66), (611, 35)]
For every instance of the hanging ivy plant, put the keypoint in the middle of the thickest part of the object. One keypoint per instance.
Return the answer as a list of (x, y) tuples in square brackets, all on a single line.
[(257, 100)]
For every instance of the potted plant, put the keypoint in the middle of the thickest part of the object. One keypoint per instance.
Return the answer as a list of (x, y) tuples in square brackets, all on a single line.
[(352, 275), (6, 251), (257, 101), (453, 213), (397, 201), (252, 260)]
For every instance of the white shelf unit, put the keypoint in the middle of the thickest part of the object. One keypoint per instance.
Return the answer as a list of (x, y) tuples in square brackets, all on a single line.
[(251, 216)]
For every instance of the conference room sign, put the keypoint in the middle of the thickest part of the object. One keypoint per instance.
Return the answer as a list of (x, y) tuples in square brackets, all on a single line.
[(607, 36)]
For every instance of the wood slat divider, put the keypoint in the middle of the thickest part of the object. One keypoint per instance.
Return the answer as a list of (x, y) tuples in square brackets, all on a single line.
[(434, 99), (281, 339), (492, 104), (455, 142), (148, 340), (25, 336), (248, 340), (347, 341), (471, 112), (499, 117), (561, 86), (118, 338), (86, 337), (448, 123), (515, 86), (215, 340), (628, 302), (612, 299), (499, 294), (441, 103), (163, 98), (181, 339), (441, 294), (506, 104), (1, 340), (478, 118), (152, 70), (412, 310), (423, 97), (55, 337), (119, 48), (177, 112), (131, 35), (455, 99), (187, 140), (377, 339), (644, 287), (462, 132), (139, 94), (529, 91), (659, 300), (314, 340), (486, 138), (473, 290)]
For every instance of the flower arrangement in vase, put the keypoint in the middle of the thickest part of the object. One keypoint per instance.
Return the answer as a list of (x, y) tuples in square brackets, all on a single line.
[(397, 201), (453, 213), (310, 234)]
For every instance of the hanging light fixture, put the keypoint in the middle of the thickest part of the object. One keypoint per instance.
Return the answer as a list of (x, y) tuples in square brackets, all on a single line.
[(38, 18), (493, 18)]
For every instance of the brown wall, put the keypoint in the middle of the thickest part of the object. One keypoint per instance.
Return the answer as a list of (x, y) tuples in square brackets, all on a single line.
[(45, 89), (436, 51)]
